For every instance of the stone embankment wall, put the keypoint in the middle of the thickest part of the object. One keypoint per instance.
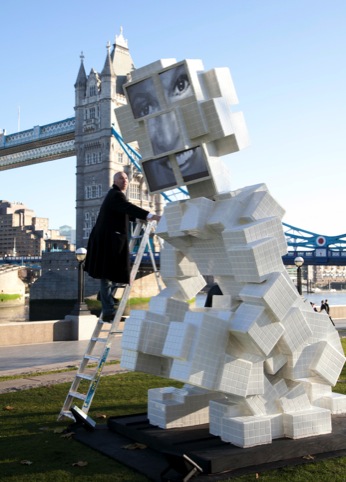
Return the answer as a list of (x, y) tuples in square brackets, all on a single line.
[(338, 311), (67, 329), (59, 280)]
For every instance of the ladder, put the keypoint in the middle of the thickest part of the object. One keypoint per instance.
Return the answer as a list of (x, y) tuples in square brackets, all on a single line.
[(85, 383)]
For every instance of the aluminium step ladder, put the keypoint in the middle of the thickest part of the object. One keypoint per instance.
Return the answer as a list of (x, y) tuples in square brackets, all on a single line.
[(85, 383)]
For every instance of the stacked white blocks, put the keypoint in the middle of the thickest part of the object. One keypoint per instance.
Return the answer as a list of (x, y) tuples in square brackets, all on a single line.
[(270, 358), (172, 407), (260, 358)]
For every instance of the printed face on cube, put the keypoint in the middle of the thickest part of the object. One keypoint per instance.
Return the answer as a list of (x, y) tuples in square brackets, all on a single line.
[(154, 102)]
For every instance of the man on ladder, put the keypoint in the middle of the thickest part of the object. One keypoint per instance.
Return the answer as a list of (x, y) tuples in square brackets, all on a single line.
[(108, 259), (108, 256)]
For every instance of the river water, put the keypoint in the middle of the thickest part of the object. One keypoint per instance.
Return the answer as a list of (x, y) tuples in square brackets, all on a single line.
[(21, 313)]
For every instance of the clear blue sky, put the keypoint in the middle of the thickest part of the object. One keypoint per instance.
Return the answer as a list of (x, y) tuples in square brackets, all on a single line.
[(287, 60)]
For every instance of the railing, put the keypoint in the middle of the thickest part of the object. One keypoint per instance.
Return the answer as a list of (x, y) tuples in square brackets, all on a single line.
[(38, 132)]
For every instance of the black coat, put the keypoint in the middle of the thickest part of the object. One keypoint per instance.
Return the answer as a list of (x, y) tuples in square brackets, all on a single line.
[(108, 246)]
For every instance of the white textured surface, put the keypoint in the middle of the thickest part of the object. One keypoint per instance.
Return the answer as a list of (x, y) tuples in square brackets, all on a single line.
[(260, 364)]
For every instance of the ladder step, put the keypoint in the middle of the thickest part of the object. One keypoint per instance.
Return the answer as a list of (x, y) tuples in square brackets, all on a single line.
[(80, 396), (85, 376), (92, 357), (101, 340)]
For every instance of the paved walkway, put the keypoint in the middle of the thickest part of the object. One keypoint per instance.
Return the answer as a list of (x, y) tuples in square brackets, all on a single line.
[(58, 354), (26, 360)]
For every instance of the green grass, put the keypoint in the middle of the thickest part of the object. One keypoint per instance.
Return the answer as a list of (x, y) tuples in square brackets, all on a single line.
[(9, 297), (28, 432), (28, 421)]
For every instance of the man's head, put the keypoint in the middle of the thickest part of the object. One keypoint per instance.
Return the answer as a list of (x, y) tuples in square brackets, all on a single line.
[(120, 180)]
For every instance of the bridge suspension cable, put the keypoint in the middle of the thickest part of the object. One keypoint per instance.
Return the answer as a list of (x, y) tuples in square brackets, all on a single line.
[(295, 237), (301, 238)]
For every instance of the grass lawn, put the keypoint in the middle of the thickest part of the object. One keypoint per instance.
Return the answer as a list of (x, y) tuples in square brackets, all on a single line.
[(32, 447)]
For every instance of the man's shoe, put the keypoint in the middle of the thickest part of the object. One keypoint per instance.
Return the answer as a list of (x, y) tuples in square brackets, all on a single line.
[(108, 318)]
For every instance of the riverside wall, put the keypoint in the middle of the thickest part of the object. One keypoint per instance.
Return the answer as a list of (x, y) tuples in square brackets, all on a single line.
[(57, 288), (59, 280), (81, 328)]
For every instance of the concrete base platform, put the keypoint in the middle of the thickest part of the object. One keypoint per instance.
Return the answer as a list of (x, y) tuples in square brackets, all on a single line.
[(173, 454)]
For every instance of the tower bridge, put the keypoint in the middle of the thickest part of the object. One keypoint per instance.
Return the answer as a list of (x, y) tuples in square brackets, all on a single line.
[(39, 144), (93, 137)]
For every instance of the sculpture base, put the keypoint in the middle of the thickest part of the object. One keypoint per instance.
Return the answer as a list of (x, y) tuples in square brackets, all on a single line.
[(166, 449)]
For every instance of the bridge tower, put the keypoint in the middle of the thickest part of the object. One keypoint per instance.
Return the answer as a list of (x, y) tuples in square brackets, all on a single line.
[(98, 153)]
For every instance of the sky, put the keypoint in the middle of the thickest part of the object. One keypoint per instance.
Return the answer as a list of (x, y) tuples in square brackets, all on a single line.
[(287, 61)]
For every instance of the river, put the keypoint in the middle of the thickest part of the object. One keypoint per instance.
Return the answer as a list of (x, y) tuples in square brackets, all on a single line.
[(21, 313)]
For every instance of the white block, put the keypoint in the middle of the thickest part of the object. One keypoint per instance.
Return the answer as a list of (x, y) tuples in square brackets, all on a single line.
[(299, 363), (244, 234), (173, 264), (220, 408), (315, 390), (174, 309), (179, 340), (154, 337), (274, 363), (335, 402), (133, 334), (189, 287), (277, 293), (255, 262), (251, 325), (295, 400), (246, 431), (241, 377), (320, 325), (261, 205), (307, 423), (327, 362), (196, 214), (182, 407), (297, 332)]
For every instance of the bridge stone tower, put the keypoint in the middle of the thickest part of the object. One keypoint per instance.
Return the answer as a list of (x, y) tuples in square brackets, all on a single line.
[(98, 153)]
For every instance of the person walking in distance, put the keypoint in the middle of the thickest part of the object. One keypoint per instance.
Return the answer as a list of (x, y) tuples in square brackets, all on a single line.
[(108, 257)]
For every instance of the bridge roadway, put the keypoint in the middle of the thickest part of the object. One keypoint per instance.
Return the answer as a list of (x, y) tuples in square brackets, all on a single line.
[(57, 140), (316, 257), (39, 144)]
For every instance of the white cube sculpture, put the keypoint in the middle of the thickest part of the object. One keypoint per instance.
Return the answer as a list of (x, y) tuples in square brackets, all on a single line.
[(260, 364)]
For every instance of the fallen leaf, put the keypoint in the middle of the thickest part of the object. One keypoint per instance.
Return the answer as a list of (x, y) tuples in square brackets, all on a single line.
[(67, 435), (101, 415), (80, 463), (308, 457), (8, 407), (135, 446), (26, 462)]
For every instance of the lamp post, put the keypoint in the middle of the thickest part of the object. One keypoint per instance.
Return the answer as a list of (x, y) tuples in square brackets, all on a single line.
[(80, 308), (299, 261)]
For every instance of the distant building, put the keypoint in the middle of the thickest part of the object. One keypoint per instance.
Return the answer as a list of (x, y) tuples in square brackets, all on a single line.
[(22, 233), (68, 233)]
